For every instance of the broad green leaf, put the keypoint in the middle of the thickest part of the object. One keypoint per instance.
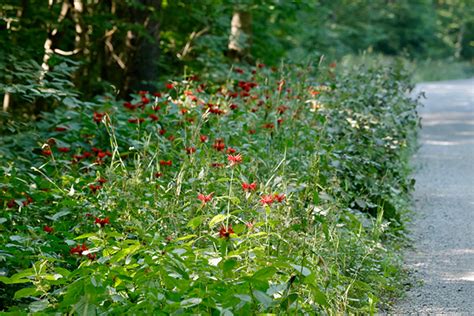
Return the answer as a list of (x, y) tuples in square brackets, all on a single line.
[(195, 222), (262, 298), (27, 291), (303, 270), (264, 273), (217, 219), (190, 302)]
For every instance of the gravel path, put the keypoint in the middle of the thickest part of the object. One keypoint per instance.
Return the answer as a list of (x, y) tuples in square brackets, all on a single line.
[(443, 226)]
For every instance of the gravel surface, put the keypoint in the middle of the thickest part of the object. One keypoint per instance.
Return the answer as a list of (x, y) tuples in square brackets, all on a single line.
[(443, 227)]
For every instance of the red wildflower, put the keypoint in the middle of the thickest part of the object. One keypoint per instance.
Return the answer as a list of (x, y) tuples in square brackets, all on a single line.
[(158, 174), (171, 138), (169, 86), (60, 129), (28, 201), (252, 131), (239, 70), (269, 125), (136, 120), (219, 144), (101, 154), (279, 121), (145, 100), (94, 188), (261, 65), (166, 163), (249, 186), (98, 116), (233, 106), (153, 117), (129, 106), (282, 109), (11, 203), (203, 138), (46, 152), (190, 150), (48, 229), (224, 232), (204, 198), (266, 200), (231, 150), (279, 197), (64, 149), (102, 221), (78, 250), (157, 94), (234, 159), (217, 165), (162, 131), (143, 92), (156, 108), (102, 180)]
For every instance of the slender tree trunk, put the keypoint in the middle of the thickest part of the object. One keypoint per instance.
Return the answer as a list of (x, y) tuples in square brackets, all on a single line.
[(143, 64), (240, 39)]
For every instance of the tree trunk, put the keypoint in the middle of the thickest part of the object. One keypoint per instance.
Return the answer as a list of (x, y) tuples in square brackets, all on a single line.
[(240, 39), (143, 64)]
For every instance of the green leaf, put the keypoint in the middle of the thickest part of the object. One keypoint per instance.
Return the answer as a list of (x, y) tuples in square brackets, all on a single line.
[(264, 274), (303, 270), (217, 219), (191, 302), (263, 298), (84, 236), (38, 306), (195, 222), (319, 297), (27, 291)]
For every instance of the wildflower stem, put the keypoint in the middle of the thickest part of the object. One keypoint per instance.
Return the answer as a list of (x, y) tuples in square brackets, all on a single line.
[(229, 195)]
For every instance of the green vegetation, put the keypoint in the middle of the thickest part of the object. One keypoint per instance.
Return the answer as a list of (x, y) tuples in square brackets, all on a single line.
[(276, 192), (212, 157)]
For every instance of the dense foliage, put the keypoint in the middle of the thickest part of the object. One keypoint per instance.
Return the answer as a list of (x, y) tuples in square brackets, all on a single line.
[(123, 46), (278, 190)]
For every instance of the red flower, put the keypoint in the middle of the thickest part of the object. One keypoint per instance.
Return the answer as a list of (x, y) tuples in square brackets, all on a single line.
[(266, 200), (28, 201), (157, 94), (11, 203), (46, 152), (234, 159), (203, 138), (64, 149), (217, 165), (153, 117), (249, 186), (162, 131), (279, 197), (158, 174), (136, 120), (233, 106), (129, 106), (145, 100), (269, 125), (169, 86), (171, 138), (279, 121), (219, 144), (204, 198), (48, 229), (102, 180), (261, 65), (225, 232), (190, 150), (282, 109), (166, 163), (102, 221), (98, 116), (60, 129), (231, 150), (143, 92), (252, 131), (239, 70), (78, 250), (94, 188)]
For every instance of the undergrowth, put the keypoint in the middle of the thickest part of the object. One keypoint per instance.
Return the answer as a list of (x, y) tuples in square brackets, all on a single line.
[(276, 191)]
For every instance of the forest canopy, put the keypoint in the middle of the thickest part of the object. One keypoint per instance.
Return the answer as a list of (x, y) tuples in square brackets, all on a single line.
[(125, 46)]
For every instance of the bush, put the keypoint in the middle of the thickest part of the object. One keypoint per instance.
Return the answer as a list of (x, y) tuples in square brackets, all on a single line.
[(275, 191)]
